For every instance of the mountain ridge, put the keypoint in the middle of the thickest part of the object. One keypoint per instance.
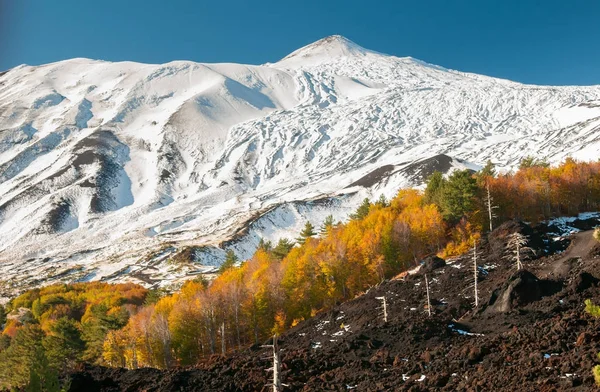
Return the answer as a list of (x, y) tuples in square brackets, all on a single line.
[(130, 157)]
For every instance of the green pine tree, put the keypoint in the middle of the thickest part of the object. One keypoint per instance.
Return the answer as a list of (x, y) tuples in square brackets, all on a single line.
[(230, 261), (64, 345), (42, 377), (434, 188), (306, 233), (284, 246), (362, 211), (489, 170), (530, 161), (95, 329), (382, 201), (267, 246), (2, 316), (457, 197), (18, 359), (154, 295), (326, 226)]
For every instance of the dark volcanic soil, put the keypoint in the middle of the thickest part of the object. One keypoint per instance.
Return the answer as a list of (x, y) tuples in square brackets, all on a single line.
[(540, 339)]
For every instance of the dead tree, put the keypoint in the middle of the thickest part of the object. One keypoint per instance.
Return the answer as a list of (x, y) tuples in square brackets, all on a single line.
[(489, 203), (428, 299), (515, 244), (475, 272), (276, 384), (223, 347), (384, 305)]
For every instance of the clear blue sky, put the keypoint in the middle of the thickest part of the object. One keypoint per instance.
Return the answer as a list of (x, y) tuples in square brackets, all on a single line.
[(543, 42)]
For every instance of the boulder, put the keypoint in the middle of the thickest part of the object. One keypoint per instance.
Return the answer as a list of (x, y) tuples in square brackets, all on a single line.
[(431, 263), (582, 282), (522, 288), (498, 239)]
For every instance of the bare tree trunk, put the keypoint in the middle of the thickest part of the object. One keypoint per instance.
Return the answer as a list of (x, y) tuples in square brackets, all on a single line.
[(237, 326), (428, 300), (223, 338), (475, 272), (489, 202), (276, 384), (384, 306)]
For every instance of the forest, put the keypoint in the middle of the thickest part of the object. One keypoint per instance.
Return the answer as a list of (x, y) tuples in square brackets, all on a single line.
[(49, 330)]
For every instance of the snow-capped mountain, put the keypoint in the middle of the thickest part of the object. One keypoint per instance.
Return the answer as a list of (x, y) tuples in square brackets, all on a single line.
[(107, 169)]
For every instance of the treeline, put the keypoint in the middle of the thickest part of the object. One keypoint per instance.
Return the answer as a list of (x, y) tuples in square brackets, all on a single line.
[(287, 282), (49, 330), (272, 291), (538, 191), (282, 285)]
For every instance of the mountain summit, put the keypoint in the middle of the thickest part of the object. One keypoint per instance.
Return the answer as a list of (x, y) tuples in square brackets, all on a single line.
[(109, 169), (328, 48)]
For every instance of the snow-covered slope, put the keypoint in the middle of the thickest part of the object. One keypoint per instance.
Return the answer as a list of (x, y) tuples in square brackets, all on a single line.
[(106, 169)]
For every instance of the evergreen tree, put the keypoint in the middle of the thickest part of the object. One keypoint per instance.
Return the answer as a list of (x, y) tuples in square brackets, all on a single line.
[(382, 201), (458, 195), (37, 309), (64, 344), (42, 377), (96, 327), (435, 186), (530, 161), (2, 316), (489, 170), (363, 210), (19, 358), (284, 246), (202, 280), (267, 246), (4, 342), (307, 232), (153, 296), (230, 261), (326, 226)]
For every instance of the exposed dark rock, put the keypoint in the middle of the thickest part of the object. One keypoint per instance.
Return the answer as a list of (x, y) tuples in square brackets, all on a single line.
[(546, 336), (431, 263), (521, 289), (582, 282)]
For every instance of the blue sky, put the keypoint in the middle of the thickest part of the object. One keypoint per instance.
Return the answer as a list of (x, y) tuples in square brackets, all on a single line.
[(542, 42)]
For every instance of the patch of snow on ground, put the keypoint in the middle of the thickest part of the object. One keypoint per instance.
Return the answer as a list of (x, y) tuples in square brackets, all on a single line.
[(462, 332)]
